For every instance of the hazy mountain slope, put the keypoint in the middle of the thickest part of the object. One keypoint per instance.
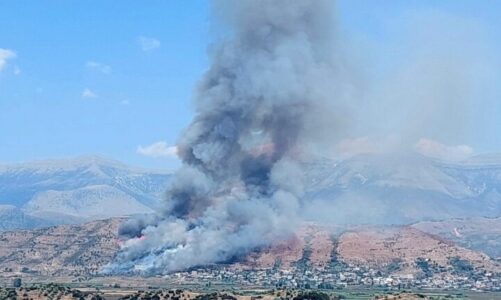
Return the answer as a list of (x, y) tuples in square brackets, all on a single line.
[(401, 189), (367, 189), (12, 217), (91, 202), (481, 234), (19, 183), (76, 190)]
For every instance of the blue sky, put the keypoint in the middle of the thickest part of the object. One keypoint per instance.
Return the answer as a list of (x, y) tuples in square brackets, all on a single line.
[(106, 77)]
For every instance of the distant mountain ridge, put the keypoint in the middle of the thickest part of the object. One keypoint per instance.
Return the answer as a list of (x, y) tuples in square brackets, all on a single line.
[(76, 190), (480, 234), (365, 189), (20, 182), (402, 189), (91, 202), (12, 217)]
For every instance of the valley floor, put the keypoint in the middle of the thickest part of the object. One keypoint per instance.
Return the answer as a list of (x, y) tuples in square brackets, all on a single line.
[(98, 292)]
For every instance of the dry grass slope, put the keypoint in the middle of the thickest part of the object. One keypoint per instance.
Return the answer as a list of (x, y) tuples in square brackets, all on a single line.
[(72, 250), (81, 250)]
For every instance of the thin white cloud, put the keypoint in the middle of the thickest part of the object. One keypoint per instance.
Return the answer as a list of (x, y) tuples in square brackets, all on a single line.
[(158, 149), (148, 43), (88, 94), (17, 70), (125, 102), (438, 150), (100, 67), (6, 55)]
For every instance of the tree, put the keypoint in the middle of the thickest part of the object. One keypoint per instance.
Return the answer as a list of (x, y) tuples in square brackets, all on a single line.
[(17, 282)]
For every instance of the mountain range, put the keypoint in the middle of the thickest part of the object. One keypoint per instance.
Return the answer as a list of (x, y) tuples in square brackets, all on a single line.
[(402, 189), (44, 193), (365, 189)]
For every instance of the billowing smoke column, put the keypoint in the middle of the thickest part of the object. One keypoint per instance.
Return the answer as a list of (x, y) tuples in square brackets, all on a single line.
[(240, 186)]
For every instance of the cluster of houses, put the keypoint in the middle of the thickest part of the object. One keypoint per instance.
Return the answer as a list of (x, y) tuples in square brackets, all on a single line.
[(348, 275)]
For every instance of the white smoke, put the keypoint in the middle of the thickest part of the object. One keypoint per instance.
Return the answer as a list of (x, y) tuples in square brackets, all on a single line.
[(240, 185)]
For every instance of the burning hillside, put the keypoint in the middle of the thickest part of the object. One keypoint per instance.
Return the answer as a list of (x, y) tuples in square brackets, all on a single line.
[(240, 186)]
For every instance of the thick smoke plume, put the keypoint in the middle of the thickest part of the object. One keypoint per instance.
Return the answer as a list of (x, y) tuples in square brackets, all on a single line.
[(240, 185)]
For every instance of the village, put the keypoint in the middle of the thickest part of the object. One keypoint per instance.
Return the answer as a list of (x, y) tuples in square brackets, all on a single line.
[(349, 276)]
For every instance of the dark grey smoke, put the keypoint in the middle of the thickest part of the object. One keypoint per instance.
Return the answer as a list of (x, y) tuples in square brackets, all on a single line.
[(240, 184)]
